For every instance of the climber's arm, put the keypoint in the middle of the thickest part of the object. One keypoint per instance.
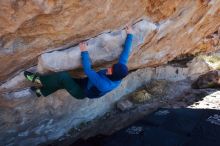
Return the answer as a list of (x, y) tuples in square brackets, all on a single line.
[(123, 59), (92, 75)]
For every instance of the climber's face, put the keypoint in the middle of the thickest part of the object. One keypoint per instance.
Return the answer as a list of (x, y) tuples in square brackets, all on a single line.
[(109, 71)]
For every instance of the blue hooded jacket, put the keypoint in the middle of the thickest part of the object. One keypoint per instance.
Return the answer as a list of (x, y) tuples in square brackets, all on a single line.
[(98, 83)]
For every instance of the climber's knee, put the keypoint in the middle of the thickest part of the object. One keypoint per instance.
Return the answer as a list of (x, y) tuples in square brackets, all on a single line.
[(64, 75)]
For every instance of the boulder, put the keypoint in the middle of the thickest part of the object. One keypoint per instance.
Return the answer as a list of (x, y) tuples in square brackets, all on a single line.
[(31, 28), (124, 105), (208, 80), (43, 35)]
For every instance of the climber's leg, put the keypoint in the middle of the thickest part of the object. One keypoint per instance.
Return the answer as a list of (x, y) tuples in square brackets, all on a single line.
[(60, 80), (82, 82)]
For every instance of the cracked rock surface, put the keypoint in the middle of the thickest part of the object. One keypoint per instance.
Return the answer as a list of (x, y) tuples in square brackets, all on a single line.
[(43, 36), (31, 28)]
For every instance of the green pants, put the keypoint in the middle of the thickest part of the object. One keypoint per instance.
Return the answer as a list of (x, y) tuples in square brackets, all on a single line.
[(60, 80)]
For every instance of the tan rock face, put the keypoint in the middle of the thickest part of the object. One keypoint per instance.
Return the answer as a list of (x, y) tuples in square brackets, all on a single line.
[(180, 34), (208, 80), (161, 9), (29, 27), (36, 28)]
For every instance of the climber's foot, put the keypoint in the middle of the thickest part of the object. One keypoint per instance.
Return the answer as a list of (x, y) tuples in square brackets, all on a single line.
[(32, 77), (36, 91)]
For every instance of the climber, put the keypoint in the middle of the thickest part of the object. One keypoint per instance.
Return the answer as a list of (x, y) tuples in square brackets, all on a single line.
[(95, 85)]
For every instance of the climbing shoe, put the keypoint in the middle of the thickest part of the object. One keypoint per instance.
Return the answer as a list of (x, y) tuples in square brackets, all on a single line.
[(32, 77), (36, 91)]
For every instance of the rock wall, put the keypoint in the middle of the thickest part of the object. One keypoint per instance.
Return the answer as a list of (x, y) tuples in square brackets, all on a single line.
[(30, 28), (27, 120), (104, 48), (43, 36)]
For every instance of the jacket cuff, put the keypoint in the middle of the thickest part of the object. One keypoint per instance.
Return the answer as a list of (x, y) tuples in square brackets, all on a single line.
[(129, 35), (84, 53)]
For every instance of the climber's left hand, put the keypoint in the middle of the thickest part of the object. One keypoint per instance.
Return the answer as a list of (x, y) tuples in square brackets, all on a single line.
[(129, 29), (83, 47)]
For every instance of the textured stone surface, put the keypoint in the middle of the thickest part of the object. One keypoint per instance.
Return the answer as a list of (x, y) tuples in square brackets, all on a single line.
[(57, 24), (28, 28), (26, 119), (180, 34), (124, 105), (196, 66), (102, 49), (180, 96), (52, 28), (208, 80)]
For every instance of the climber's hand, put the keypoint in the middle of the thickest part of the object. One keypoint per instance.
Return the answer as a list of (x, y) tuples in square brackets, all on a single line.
[(129, 29), (83, 47)]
